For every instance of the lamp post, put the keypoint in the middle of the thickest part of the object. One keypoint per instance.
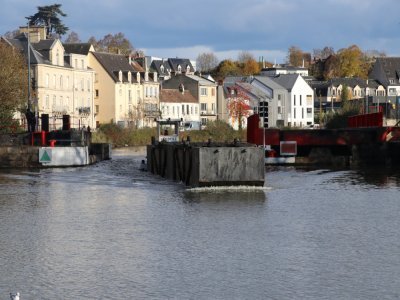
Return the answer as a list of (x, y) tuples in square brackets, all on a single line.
[(29, 64)]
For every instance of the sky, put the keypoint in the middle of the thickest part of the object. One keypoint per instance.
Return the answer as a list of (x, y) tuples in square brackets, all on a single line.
[(265, 28)]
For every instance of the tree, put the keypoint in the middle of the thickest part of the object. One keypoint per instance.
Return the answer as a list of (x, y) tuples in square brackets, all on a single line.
[(110, 43), (14, 83), (238, 109), (207, 61), (297, 58), (245, 56), (248, 64), (11, 34), (73, 37), (49, 16), (351, 62), (227, 68), (323, 53)]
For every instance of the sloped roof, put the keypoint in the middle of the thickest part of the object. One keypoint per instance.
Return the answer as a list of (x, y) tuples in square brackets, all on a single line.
[(156, 66), (286, 80), (201, 80), (251, 89), (137, 67), (20, 42), (183, 62), (77, 48), (175, 96), (113, 63), (268, 81), (390, 66)]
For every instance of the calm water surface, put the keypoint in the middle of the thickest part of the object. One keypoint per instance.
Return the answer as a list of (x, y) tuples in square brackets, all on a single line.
[(109, 231)]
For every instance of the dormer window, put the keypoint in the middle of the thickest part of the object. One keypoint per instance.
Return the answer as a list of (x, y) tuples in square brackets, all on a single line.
[(129, 77), (188, 69), (162, 69), (120, 76), (138, 77), (179, 69)]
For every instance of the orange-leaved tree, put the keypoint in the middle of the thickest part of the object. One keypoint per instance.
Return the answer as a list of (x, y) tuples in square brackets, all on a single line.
[(238, 108)]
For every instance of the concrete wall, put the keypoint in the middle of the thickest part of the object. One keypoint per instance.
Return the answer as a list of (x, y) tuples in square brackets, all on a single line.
[(30, 156), (207, 166), (64, 156), (224, 165), (19, 157)]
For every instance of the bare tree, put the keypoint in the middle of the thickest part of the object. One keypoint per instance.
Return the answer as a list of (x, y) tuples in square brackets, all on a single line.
[(73, 37), (206, 62)]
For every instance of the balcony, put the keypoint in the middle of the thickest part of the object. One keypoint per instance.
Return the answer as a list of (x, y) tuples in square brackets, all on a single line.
[(208, 112), (83, 110), (60, 109)]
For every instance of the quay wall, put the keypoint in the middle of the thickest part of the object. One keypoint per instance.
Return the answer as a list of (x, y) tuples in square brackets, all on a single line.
[(23, 156)]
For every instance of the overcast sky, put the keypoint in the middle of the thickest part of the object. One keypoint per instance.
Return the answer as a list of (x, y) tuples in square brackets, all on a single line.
[(185, 28)]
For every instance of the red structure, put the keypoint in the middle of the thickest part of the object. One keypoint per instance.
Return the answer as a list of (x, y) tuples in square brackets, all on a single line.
[(365, 131), (366, 120)]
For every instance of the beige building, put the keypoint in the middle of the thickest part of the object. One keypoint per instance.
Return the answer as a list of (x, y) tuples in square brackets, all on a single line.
[(123, 95), (62, 83)]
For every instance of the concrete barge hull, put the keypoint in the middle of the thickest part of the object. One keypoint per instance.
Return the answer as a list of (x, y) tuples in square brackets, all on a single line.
[(207, 166)]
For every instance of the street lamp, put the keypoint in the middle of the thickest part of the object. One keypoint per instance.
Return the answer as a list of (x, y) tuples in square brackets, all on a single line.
[(29, 64)]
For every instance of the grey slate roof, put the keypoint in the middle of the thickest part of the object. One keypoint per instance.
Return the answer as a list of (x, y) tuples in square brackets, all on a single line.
[(113, 63), (389, 67), (21, 42), (183, 62), (77, 48), (268, 81), (286, 80)]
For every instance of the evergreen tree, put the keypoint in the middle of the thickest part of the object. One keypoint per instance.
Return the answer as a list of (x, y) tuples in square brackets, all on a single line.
[(49, 16)]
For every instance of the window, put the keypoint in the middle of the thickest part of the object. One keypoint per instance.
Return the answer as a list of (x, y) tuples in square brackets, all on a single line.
[(309, 100), (183, 109), (97, 93), (203, 91), (67, 83), (88, 85), (301, 101), (203, 121), (302, 112), (82, 64), (203, 106), (279, 97), (82, 85), (61, 82), (196, 110), (294, 99), (187, 109), (294, 114), (57, 58), (213, 92), (129, 96), (179, 69)]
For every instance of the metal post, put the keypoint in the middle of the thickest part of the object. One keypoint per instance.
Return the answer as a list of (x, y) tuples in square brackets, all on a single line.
[(29, 66)]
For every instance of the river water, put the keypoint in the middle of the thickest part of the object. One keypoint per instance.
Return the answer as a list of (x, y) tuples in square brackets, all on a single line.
[(110, 231)]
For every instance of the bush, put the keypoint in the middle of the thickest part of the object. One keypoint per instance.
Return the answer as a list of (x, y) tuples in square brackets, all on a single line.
[(217, 131), (118, 136)]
